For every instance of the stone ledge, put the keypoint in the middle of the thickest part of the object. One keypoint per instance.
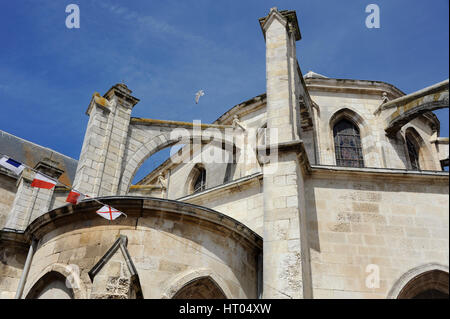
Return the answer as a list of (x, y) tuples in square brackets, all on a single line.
[(222, 187), (353, 86), (164, 123), (14, 237), (379, 171), (297, 146)]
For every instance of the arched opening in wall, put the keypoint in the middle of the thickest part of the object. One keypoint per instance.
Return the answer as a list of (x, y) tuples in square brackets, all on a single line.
[(419, 156), (197, 179), (51, 286), (184, 152), (413, 153), (347, 144), (151, 163), (432, 284), (201, 288)]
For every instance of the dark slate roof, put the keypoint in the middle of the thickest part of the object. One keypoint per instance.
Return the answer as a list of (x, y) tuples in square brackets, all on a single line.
[(30, 154)]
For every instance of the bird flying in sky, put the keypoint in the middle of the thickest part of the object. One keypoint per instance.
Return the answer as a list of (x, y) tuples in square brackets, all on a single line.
[(197, 95)]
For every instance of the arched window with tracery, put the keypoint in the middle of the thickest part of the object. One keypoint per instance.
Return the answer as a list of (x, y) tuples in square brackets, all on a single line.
[(347, 144), (413, 154)]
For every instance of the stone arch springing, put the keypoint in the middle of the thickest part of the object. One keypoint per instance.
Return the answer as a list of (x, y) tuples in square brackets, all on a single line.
[(346, 114), (423, 282), (415, 104)]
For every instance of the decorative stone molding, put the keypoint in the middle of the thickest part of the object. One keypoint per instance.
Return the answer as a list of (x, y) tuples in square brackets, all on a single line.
[(188, 276), (120, 283), (401, 283), (77, 284)]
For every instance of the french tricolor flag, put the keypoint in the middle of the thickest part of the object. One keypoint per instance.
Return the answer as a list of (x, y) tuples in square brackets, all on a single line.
[(12, 165), (41, 181)]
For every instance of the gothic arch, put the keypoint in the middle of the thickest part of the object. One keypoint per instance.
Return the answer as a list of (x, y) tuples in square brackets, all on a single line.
[(59, 272), (421, 279), (425, 156), (184, 279), (352, 116), (357, 120), (50, 286), (135, 158), (192, 177)]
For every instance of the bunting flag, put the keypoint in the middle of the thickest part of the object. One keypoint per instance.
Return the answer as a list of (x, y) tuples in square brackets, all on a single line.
[(75, 197), (12, 165), (109, 212), (41, 181)]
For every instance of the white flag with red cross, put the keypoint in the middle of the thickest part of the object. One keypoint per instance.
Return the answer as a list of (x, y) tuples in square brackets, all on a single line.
[(109, 212)]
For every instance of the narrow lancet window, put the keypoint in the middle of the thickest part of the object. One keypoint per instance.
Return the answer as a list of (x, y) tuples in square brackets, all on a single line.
[(347, 144), (200, 180), (413, 154)]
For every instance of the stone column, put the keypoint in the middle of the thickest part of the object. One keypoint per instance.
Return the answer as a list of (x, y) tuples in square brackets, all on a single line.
[(285, 252), (100, 165)]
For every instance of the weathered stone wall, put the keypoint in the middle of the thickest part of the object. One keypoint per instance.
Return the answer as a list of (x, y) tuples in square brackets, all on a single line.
[(164, 250), (12, 259), (113, 280), (181, 176), (29, 202), (362, 104), (8, 191), (102, 153), (378, 150), (355, 220), (241, 202), (59, 199)]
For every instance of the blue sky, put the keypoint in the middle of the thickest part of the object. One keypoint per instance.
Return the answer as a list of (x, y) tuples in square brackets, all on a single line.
[(165, 51)]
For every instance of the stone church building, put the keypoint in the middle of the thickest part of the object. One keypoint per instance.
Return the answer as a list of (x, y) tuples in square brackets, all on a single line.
[(318, 188)]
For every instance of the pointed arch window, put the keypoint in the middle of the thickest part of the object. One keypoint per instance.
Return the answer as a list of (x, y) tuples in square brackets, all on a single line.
[(200, 180), (413, 154), (347, 144)]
